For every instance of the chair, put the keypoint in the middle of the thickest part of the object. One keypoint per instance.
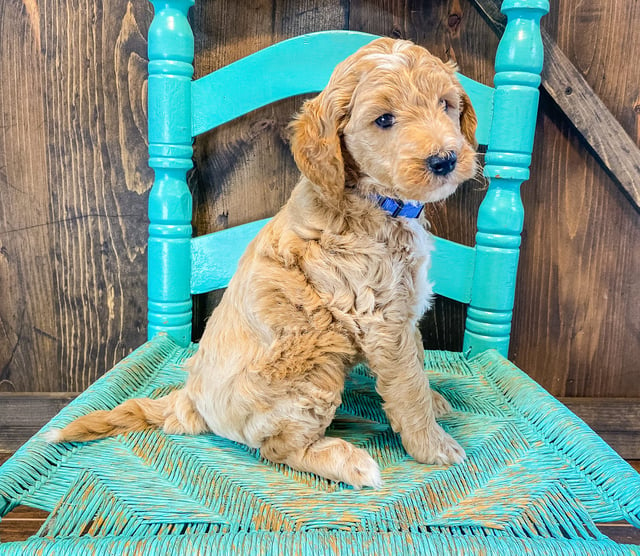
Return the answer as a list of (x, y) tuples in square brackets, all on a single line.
[(536, 478)]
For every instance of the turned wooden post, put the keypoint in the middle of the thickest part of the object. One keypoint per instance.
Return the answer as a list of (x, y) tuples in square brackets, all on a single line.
[(170, 152)]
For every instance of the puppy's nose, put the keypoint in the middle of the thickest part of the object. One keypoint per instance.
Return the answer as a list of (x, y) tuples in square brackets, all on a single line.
[(442, 165)]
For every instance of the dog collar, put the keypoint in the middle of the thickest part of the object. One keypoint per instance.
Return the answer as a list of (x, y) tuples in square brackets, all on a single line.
[(396, 207)]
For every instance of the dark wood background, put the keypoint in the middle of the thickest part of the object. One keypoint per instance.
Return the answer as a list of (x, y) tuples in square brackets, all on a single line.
[(74, 182)]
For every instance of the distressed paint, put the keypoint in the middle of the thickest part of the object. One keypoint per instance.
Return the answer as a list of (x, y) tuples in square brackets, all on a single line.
[(534, 473)]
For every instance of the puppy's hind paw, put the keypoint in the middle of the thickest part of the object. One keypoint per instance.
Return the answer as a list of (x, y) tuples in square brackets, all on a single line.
[(439, 403), (362, 471)]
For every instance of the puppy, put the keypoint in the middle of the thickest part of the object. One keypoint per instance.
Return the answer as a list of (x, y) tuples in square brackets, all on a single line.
[(332, 280)]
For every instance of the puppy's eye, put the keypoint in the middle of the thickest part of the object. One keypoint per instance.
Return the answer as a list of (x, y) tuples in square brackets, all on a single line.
[(385, 121), (444, 104)]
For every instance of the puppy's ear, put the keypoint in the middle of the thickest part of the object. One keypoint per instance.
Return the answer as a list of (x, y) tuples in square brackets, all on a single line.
[(316, 132), (315, 143), (468, 120)]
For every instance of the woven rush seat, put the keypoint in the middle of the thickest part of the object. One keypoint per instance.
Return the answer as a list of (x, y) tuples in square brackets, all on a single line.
[(535, 480)]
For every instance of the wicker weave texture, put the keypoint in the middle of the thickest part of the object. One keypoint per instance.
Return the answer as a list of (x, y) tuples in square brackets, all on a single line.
[(535, 480)]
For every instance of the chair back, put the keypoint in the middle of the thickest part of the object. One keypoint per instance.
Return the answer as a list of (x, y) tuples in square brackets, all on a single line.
[(180, 108)]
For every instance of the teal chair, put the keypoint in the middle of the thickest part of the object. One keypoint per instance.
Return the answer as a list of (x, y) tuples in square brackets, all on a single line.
[(180, 109), (536, 479)]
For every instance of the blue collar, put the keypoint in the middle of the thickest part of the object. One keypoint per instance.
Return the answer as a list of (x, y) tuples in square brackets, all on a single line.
[(396, 207)]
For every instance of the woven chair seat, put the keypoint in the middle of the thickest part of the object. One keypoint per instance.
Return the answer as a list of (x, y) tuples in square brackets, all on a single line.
[(535, 480)]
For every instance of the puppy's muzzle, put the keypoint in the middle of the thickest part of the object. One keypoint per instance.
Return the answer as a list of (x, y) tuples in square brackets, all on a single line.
[(441, 165)]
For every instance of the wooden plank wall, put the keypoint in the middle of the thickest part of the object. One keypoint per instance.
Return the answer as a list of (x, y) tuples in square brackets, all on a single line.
[(73, 187), (74, 182)]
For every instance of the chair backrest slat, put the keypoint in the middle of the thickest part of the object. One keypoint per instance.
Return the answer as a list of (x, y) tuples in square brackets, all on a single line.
[(482, 100), (214, 259), (294, 67)]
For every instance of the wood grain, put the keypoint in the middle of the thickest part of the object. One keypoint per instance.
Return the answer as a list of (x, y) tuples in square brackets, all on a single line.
[(74, 180), (616, 420), (607, 414), (608, 140), (28, 321), (576, 322), (610, 143), (23, 414)]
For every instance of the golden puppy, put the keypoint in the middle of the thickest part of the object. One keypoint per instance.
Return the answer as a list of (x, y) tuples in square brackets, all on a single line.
[(332, 280)]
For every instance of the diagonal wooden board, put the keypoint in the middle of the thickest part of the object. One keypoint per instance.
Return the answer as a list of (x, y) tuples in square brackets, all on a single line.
[(610, 143)]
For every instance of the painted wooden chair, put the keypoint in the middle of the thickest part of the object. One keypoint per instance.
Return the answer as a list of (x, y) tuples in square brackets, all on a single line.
[(536, 478)]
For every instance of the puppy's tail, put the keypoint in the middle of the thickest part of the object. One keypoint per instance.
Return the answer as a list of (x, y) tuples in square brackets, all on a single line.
[(174, 413)]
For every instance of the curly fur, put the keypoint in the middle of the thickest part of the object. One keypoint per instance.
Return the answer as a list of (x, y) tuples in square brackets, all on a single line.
[(331, 280)]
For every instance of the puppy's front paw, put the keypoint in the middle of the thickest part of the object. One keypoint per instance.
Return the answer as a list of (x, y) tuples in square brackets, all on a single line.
[(434, 446)]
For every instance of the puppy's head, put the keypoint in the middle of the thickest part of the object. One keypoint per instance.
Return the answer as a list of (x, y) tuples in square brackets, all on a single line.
[(394, 116)]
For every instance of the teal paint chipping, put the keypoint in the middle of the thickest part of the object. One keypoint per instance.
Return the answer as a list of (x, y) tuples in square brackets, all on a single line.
[(535, 480)]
